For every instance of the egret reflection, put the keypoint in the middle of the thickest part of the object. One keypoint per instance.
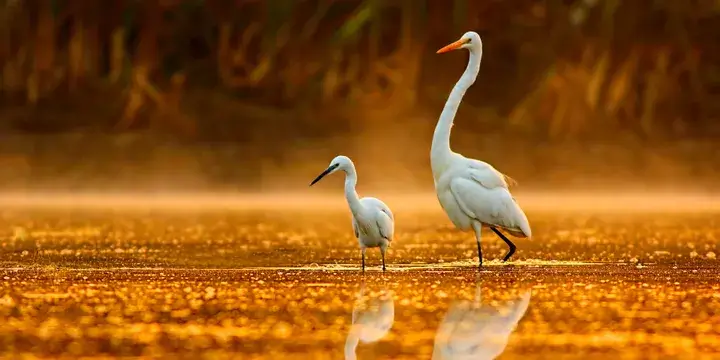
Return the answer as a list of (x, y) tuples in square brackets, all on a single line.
[(471, 330), (372, 317)]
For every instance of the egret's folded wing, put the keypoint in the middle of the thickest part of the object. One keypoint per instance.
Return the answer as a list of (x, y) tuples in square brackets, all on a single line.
[(492, 206), (384, 218), (387, 211), (379, 204), (385, 225)]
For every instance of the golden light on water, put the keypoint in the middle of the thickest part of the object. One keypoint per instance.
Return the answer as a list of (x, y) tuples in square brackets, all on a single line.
[(232, 275)]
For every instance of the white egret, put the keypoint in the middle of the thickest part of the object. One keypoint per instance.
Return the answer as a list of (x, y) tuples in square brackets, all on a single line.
[(372, 318), (471, 330), (372, 220), (472, 193)]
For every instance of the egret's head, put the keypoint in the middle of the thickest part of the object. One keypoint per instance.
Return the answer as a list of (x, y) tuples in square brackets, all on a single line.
[(470, 41), (338, 163)]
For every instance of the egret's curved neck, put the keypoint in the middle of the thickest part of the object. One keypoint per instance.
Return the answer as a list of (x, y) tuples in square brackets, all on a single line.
[(441, 139), (350, 193)]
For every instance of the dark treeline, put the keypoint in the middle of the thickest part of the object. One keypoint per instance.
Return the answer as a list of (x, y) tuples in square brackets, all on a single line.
[(554, 68)]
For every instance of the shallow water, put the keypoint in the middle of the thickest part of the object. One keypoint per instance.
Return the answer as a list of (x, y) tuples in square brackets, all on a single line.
[(268, 284)]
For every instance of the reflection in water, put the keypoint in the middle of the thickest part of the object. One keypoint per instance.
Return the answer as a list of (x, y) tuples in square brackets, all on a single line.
[(372, 318), (471, 330)]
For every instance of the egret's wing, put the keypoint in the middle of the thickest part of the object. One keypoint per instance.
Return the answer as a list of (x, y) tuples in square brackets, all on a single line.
[(385, 219), (385, 225), (488, 176), (384, 208), (492, 206), (379, 204)]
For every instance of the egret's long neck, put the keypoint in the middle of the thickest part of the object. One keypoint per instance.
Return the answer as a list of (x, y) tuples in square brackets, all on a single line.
[(441, 139), (350, 193)]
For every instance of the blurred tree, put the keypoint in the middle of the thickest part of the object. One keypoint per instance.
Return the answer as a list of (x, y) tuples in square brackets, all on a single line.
[(42, 76), (558, 68)]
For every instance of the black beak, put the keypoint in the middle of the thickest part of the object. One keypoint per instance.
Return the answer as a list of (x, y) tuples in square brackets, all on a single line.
[(327, 171)]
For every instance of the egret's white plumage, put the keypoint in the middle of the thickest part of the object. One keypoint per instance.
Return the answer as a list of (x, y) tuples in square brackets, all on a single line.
[(474, 331), (472, 193), (372, 221), (372, 318)]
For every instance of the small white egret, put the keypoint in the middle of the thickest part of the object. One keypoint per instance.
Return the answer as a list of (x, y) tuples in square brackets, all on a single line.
[(372, 220), (472, 192)]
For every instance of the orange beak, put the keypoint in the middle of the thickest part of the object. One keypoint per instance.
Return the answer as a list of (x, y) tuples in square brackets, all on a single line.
[(454, 46)]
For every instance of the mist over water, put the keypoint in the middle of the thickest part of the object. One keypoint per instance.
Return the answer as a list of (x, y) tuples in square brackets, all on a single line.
[(531, 201), (390, 156)]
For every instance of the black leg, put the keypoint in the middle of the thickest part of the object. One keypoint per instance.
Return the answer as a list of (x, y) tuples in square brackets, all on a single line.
[(383, 259), (479, 254), (478, 234), (363, 260), (507, 241)]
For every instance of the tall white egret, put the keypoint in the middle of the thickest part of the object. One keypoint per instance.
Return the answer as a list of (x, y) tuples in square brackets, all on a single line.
[(472, 192), (372, 220), (372, 318)]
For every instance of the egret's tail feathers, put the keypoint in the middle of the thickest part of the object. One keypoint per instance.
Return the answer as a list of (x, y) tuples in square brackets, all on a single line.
[(522, 225), (525, 227), (521, 221), (517, 233)]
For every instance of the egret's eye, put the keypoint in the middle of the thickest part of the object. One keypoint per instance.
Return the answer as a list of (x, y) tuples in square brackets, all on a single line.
[(468, 41)]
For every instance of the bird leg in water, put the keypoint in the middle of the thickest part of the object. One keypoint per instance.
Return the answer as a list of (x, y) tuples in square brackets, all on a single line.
[(477, 227), (363, 259), (507, 241)]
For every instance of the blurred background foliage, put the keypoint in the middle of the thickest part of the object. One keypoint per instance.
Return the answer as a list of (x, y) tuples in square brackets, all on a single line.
[(280, 71), (555, 68)]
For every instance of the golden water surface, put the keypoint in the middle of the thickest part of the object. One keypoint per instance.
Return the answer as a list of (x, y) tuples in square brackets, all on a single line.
[(272, 284)]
